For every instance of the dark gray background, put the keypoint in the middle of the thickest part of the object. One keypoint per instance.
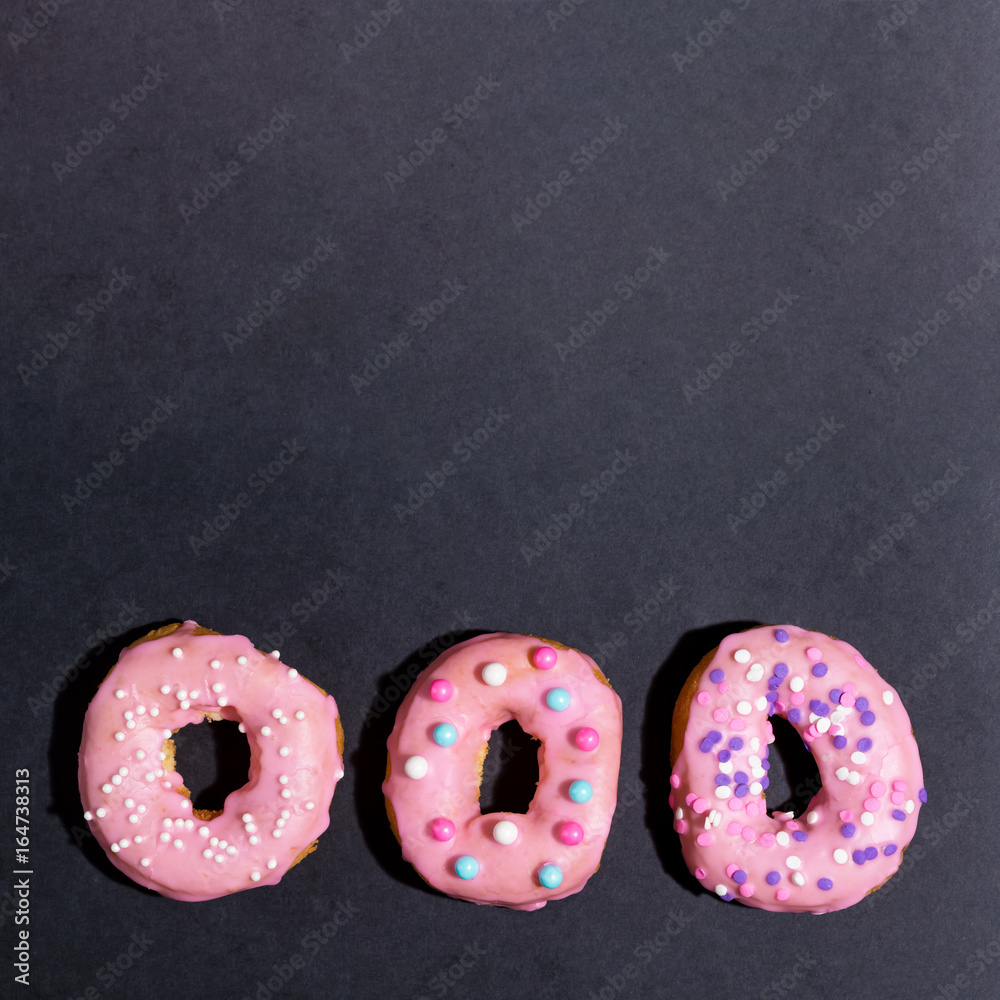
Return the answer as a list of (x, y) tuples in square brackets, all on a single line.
[(848, 535)]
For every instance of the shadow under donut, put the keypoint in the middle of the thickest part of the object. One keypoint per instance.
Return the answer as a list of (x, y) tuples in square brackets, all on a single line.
[(655, 771)]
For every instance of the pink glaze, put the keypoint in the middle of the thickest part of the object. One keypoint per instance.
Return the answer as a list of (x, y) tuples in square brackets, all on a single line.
[(546, 834), (731, 841), (261, 830)]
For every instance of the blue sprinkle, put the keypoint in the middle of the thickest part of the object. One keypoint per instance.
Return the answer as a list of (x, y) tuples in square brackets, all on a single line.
[(781, 670), (864, 744), (922, 795), (859, 857), (819, 707), (781, 635), (550, 876), (736, 743), (898, 814), (890, 850), (819, 670), (867, 718), (871, 853), (722, 779), (840, 742), (466, 867), (848, 830), (825, 884), (765, 782), (724, 755), (445, 734), (581, 791), (794, 715), (557, 699), (739, 876), (741, 778), (861, 704), (717, 675), (741, 791), (800, 835), (772, 878)]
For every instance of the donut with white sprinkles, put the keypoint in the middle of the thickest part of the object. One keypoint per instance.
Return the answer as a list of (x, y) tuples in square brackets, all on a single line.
[(435, 766), (135, 801), (850, 838)]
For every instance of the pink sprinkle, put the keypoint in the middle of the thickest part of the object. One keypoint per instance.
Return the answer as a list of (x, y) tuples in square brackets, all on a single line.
[(752, 808), (587, 738), (690, 797), (704, 839), (737, 725), (735, 804), (700, 873), (443, 829), (860, 660), (441, 690), (781, 895), (878, 788), (846, 815), (723, 687), (700, 805), (675, 781), (835, 729), (720, 714), (681, 826), (791, 825), (733, 829), (571, 833), (796, 697), (814, 653), (812, 730), (898, 798), (900, 786), (670, 800), (850, 688), (703, 698), (847, 700), (872, 805), (749, 834), (730, 869), (780, 707), (545, 658), (746, 889), (767, 840)]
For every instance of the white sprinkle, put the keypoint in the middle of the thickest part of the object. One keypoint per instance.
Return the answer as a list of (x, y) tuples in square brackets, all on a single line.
[(292, 672), (754, 744), (188, 824), (165, 689), (265, 730), (178, 844), (254, 876), (723, 792), (310, 805), (285, 814), (138, 839), (140, 755), (842, 773), (130, 724), (159, 772), (909, 805), (755, 673), (242, 728), (823, 725), (838, 715), (505, 832), (282, 779), (177, 651), (755, 788), (275, 833), (133, 818), (129, 803), (276, 713), (115, 848), (223, 843), (799, 879), (223, 701), (124, 842), (275, 654), (726, 767), (241, 660), (887, 697), (123, 771), (338, 775), (283, 720), (753, 760), (284, 751), (416, 767), (782, 838), (165, 837), (181, 694), (119, 736), (220, 858), (758, 772), (101, 813), (868, 818), (721, 890), (812, 817), (300, 715), (119, 693), (215, 664), (154, 711), (796, 683), (106, 788), (168, 823), (279, 823), (193, 695), (251, 828), (793, 862), (163, 755), (230, 850), (286, 793), (185, 704), (743, 708), (494, 674), (840, 856), (88, 815), (679, 813), (214, 841), (247, 818), (140, 709), (254, 840), (854, 778), (761, 703), (144, 862), (742, 656), (203, 831), (858, 758), (116, 779), (207, 853), (166, 735), (140, 809), (217, 687)]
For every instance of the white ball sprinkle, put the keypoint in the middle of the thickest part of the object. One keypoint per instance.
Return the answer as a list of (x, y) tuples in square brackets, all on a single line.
[(285, 814), (505, 832), (230, 850), (215, 664), (265, 730), (220, 858), (272, 863), (887, 697), (119, 736), (310, 805), (178, 844), (275, 654), (292, 672), (794, 862), (165, 837), (106, 788), (101, 813), (254, 876), (416, 767), (129, 803), (163, 755), (144, 862), (286, 793), (279, 823), (130, 724), (251, 828), (494, 674), (207, 853), (140, 755), (124, 842), (276, 713), (214, 841), (284, 751), (185, 704), (154, 711), (88, 815), (742, 656), (283, 720), (133, 818), (254, 840), (242, 728), (241, 660), (282, 779), (799, 879), (812, 817), (116, 779), (223, 843), (140, 709), (223, 701), (115, 848), (140, 809), (203, 831), (119, 693), (138, 839), (300, 715), (755, 673), (744, 708), (796, 683), (164, 689), (275, 833), (177, 651), (247, 818), (218, 686), (782, 838)]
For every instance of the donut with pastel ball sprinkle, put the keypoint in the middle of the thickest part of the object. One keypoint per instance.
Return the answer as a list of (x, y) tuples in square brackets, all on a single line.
[(849, 840), (435, 764), (135, 800)]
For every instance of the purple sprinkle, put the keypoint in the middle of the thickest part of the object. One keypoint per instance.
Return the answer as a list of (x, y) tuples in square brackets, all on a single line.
[(736, 743), (781, 670), (772, 878), (770, 709), (840, 742), (724, 755), (705, 746), (864, 744), (794, 715), (890, 850), (861, 704), (859, 857), (800, 835), (741, 778), (726, 897), (771, 696), (819, 707), (819, 670), (765, 764), (867, 718), (922, 795), (825, 883), (781, 635), (765, 782), (871, 853), (714, 735), (848, 830), (739, 876), (722, 779), (717, 675), (741, 791), (773, 683), (835, 694), (898, 814)]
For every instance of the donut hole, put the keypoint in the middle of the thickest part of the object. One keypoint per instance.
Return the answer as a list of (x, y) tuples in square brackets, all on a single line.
[(510, 770), (213, 760), (793, 775)]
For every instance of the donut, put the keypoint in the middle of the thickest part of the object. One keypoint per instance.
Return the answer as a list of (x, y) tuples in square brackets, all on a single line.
[(435, 766), (850, 838), (135, 801)]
